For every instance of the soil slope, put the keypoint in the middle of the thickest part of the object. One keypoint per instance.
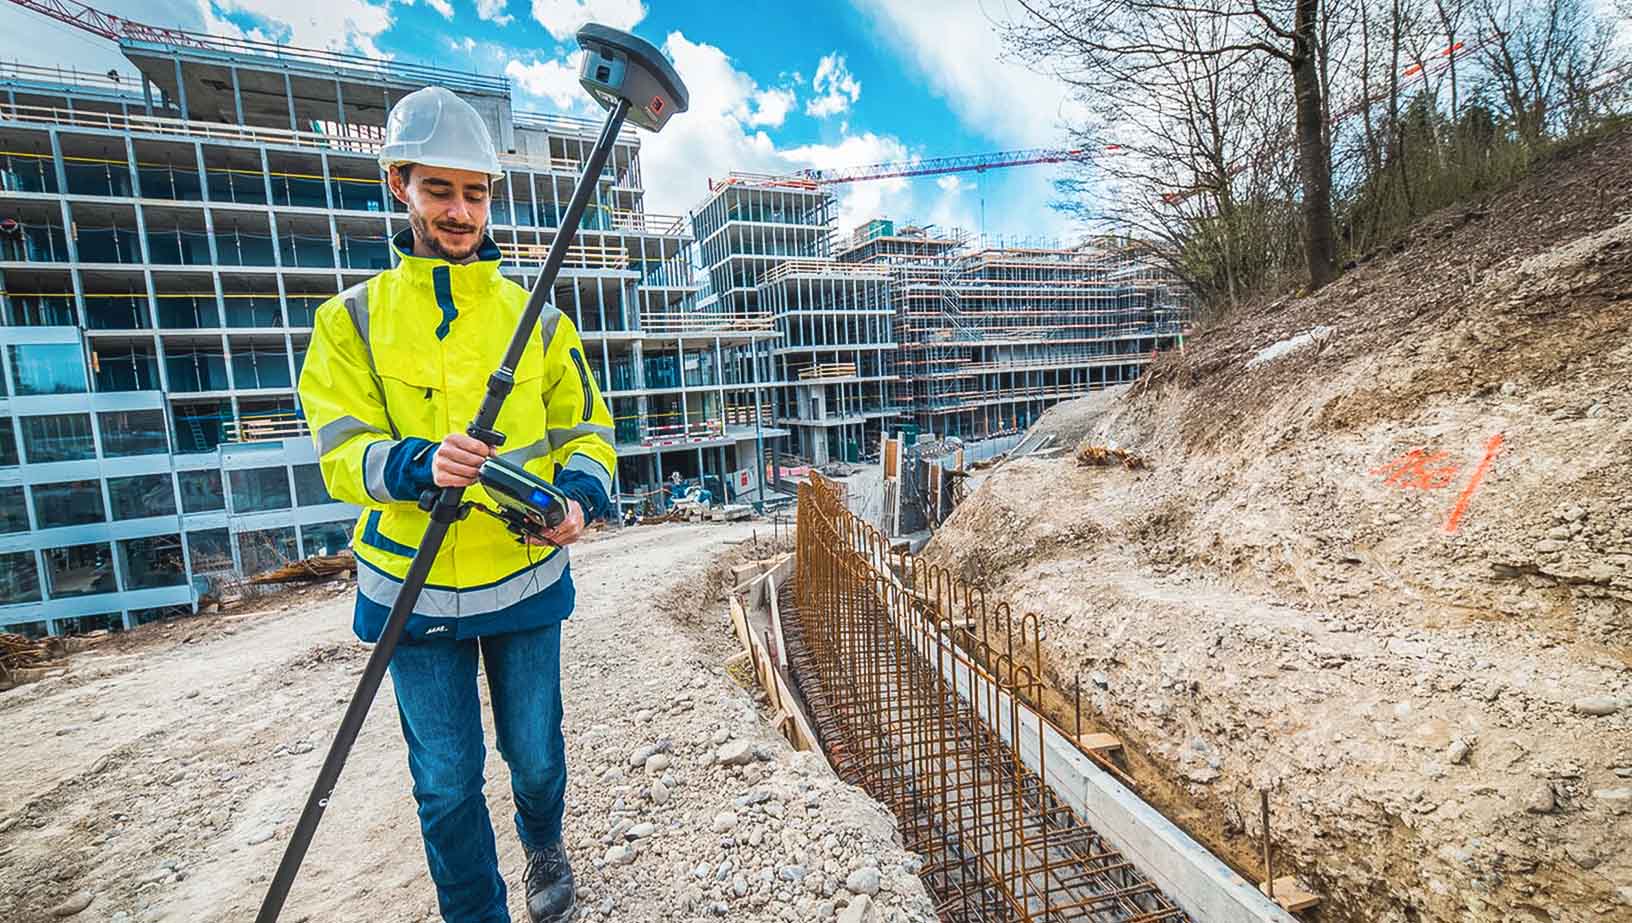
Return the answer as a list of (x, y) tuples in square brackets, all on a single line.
[(1384, 569)]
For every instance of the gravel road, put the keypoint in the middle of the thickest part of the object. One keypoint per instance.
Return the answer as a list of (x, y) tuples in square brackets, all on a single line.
[(160, 779)]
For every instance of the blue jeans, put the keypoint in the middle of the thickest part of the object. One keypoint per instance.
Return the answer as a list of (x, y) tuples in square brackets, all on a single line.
[(437, 699)]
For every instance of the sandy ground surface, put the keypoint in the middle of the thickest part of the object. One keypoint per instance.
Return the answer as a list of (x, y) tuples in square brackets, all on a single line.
[(1386, 576), (161, 778)]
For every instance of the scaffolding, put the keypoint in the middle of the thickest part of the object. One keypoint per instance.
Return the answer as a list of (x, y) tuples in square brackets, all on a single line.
[(992, 332)]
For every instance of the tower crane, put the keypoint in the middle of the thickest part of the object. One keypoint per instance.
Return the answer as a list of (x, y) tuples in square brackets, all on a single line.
[(107, 25), (931, 166)]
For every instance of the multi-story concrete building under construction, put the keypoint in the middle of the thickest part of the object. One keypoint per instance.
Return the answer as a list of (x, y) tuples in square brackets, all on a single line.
[(165, 237), (765, 244), (905, 326)]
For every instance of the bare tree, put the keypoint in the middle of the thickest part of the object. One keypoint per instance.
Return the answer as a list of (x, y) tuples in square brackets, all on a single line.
[(1542, 58), (1115, 47)]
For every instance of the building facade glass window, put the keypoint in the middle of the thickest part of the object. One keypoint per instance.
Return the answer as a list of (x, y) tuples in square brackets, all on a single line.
[(309, 489), (157, 614), (47, 368), (58, 437), (84, 624), (266, 549), (211, 550), (152, 561), (133, 432), (201, 491), (13, 510), (19, 578), (256, 490), (79, 570), (8, 444), (326, 537), (141, 496), (68, 503)]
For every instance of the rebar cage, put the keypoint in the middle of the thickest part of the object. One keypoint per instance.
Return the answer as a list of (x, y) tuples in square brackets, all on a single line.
[(910, 677)]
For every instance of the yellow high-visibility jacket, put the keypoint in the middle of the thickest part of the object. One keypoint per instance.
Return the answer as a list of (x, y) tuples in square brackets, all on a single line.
[(395, 365)]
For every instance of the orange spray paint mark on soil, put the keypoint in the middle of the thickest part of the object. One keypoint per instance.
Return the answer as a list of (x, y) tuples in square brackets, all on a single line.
[(1455, 520), (1418, 469)]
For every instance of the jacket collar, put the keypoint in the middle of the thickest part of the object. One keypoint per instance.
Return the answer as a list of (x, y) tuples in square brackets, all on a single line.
[(485, 268)]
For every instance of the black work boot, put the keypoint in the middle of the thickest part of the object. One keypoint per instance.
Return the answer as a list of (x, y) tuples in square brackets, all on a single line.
[(551, 895)]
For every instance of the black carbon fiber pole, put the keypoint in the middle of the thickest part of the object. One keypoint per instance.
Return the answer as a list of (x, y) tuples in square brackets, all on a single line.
[(443, 513)]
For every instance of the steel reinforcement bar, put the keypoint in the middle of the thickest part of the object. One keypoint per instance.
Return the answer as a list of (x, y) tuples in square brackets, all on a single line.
[(910, 696)]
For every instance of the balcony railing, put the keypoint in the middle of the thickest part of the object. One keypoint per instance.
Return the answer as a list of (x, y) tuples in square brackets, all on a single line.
[(266, 427), (252, 134), (376, 68), (704, 322), (579, 256), (830, 370)]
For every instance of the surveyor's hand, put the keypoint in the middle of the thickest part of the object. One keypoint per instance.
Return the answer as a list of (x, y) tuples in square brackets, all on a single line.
[(570, 529), (457, 459)]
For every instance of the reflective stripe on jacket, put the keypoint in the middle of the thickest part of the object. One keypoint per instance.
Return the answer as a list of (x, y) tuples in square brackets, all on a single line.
[(397, 363)]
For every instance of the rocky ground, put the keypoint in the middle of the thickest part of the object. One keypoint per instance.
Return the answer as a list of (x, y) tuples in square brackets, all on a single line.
[(1379, 561), (159, 779)]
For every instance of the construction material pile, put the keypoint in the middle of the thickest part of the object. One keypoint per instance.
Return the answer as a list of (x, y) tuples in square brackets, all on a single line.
[(317, 567), (17, 652), (1384, 573), (1094, 455)]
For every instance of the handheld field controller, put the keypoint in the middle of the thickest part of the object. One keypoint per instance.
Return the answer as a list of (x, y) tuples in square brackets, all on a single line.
[(527, 504)]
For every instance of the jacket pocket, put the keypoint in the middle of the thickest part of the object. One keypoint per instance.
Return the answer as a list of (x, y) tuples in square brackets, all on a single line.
[(583, 379), (380, 538), (414, 398)]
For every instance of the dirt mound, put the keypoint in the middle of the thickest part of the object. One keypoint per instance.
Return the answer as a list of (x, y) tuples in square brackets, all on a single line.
[(1381, 560)]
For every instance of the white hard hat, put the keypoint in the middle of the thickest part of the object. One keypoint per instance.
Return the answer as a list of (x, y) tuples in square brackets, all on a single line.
[(435, 127)]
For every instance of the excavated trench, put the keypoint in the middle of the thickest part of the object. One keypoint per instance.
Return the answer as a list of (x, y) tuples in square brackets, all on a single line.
[(898, 681), (998, 844)]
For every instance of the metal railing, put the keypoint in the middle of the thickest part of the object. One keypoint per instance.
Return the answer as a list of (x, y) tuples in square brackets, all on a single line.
[(321, 59), (705, 321), (266, 427), (912, 679), (136, 123)]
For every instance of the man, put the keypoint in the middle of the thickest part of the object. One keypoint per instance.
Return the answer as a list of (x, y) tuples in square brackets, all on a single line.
[(396, 368)]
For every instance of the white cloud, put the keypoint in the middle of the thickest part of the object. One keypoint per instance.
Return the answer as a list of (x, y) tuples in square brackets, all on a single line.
[(466, 44), (722, 132), (859, 202), (563, 17), (954, 48), (493, 12), (337, 25), (441, 6), (835, 87), (951, 182), (555, 80), (771, 107)]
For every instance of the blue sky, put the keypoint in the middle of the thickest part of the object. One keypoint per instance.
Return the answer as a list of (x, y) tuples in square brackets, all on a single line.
[(775, 87)]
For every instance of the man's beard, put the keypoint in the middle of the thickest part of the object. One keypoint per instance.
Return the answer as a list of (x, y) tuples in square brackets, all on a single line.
[(422, 232)]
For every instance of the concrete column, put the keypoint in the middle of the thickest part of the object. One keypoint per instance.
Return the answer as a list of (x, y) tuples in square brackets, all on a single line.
[(70, 231), (181, 90), (237, 99), (289, 96)]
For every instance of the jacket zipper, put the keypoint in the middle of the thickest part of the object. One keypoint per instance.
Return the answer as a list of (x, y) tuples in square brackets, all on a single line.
[(583, 379)]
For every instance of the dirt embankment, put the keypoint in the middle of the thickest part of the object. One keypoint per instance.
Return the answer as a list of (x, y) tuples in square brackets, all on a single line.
[(1384, 569)]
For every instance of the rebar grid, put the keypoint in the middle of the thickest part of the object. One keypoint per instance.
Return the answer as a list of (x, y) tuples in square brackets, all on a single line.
[(901, 670)]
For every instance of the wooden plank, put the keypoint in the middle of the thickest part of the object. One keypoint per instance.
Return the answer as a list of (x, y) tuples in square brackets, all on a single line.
[(739, 625), (1099, 742), (1289, 895), (776, 621)]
